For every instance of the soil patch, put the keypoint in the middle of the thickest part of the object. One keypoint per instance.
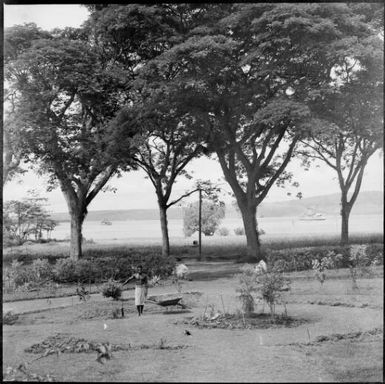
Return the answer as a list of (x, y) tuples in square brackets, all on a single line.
[(237, 321)]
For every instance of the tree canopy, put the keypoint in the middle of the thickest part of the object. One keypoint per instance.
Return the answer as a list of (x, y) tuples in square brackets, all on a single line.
[(65, 98), (248, 73), (347, 123)]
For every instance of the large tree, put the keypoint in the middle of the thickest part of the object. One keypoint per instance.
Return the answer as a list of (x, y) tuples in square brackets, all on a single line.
[(248, 75), (129, 36), (16, 40), (65, 98), (348, 119), (165, 152)]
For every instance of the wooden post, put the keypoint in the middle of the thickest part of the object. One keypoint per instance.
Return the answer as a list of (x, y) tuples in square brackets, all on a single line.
[(200, 224)]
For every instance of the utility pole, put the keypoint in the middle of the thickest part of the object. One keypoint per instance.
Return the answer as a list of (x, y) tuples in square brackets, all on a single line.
[(200, 223)]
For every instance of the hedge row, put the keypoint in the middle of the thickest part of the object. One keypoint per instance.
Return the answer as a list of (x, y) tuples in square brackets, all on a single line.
[(300, 259), (92, 269)]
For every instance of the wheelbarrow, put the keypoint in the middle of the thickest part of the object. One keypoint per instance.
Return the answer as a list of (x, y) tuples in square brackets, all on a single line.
[(169, 302)]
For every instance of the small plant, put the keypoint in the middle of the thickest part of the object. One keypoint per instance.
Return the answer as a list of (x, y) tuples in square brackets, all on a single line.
[(358, 263), (247, 287), (154, 281), (223, 231), (10, 318), (270, 286), (239, 231), (162, 343), (212, 310), (112, 289), (116, 313), (319, 267), (83, 294)]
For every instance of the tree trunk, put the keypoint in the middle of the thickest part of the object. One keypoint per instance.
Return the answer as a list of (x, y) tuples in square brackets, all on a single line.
[(250, 224), (76, 235), (164, 228), (345, 213)]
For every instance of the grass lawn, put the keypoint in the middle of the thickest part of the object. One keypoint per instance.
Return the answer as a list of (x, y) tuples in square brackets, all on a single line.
[(154, 347)]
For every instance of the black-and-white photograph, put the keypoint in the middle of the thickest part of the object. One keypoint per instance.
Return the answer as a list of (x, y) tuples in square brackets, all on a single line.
[(193, 192)]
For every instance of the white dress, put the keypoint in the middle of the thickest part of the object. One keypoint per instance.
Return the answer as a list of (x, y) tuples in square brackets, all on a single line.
[(140, 290)]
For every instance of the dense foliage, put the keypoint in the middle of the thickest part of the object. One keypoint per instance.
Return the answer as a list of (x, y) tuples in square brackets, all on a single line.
[(156, 85), (26, 218), (301, 259), (97, 268), (212, 214), (248, 74)]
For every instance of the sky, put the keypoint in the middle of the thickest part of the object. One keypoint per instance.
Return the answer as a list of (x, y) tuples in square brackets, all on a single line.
[(133, 190)]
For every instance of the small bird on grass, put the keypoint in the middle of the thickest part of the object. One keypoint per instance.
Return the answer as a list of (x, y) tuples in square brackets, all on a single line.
[(187, 332)]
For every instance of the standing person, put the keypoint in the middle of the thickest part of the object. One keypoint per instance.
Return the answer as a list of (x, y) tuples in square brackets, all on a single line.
[(141, 288)]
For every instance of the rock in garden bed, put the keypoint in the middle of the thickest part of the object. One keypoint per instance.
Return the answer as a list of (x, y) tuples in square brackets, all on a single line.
[(237, 321)]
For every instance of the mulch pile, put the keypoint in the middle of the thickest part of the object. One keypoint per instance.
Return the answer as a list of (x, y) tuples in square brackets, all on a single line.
[(339, 304), (67, 344), (351, 335), (236, 321), (62, 343)]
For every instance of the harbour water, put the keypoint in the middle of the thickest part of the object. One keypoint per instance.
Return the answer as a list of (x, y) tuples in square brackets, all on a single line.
[(272, 226)]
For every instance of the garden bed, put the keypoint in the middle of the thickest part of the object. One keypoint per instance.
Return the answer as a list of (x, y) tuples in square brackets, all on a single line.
[(238, 321)]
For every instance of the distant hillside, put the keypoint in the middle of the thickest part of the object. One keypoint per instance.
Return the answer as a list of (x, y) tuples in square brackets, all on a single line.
[(367, 203), (124, 214)]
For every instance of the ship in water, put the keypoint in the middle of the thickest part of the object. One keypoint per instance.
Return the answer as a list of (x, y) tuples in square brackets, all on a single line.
[(312, 215), (106, 222)]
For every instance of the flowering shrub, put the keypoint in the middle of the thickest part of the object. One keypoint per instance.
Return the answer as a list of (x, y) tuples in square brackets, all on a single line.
[(319, 267), (223, 231), (154, 281), (270, 286), (42, 269), (11, 274), (85, 271), (112, 289), (375, 253), (239, 231), (359, 263), (64, 271), (301, 259)]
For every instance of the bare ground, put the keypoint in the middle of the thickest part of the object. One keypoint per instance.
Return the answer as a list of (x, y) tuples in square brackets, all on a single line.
[(275, 354)]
